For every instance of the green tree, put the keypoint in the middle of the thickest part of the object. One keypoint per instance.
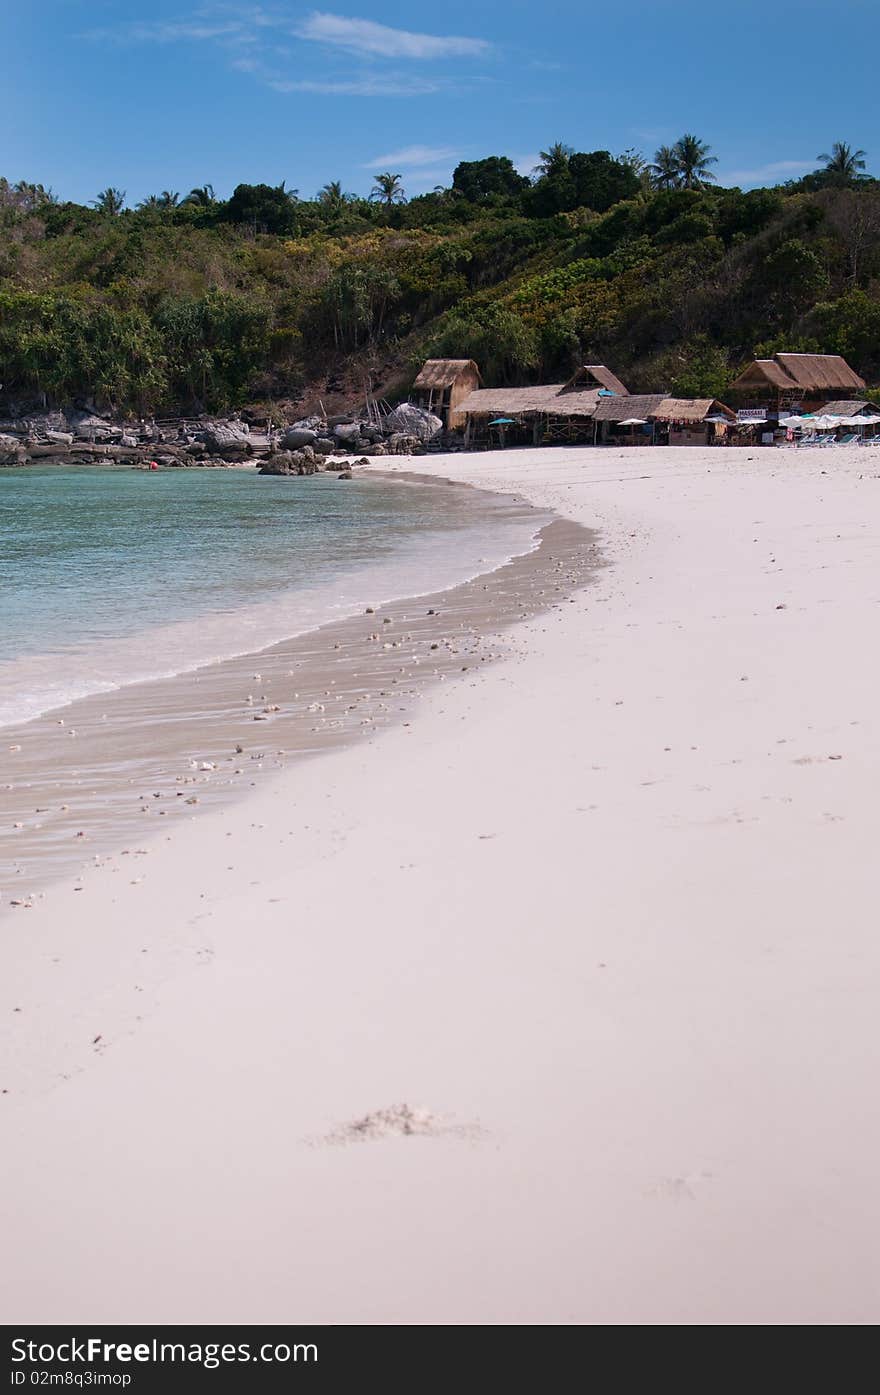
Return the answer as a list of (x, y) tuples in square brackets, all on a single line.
[(388, 190), (844, 165), (493, 177), (167, 199), (266, 208), (202, 197), (554, 162), (665, 172), (693, 160), (495, 336), (110, 201)]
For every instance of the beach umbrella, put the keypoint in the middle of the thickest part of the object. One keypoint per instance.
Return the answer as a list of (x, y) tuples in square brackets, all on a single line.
[(503, 421), (633, 421)]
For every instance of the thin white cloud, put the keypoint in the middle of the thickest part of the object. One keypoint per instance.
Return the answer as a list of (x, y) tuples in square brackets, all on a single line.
[(776, 170), (194, 30), (373, 40), (414, 157), (237, 30), (366, 86)]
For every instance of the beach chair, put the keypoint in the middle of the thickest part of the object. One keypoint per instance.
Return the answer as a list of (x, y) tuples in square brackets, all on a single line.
[(811, 439), (848, 439)]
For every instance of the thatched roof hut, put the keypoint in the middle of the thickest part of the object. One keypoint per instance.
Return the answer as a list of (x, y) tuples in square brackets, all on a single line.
[(851, 409), (528, 401), (801, 377), (576, 399), (443, 384), (443, 372), (594, 376), (691, 410), (630, 408)]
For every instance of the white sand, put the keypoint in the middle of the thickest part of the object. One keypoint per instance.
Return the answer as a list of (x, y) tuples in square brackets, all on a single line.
[(606, 913)]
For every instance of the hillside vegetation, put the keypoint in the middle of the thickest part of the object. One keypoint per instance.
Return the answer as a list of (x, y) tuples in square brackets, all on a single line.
[(205, 304)]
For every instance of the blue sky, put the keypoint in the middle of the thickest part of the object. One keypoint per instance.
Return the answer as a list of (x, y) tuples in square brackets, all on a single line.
[(166, 94)]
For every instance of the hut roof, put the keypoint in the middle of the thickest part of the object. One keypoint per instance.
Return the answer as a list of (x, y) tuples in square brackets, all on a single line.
[(595, 375), (443, 372), (820, 371), (694, 409), (850, 409), (810, 372), (547, 400), (622, 408)]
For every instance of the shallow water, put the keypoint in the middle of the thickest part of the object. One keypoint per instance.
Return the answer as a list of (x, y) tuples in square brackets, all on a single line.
[(109, 577)]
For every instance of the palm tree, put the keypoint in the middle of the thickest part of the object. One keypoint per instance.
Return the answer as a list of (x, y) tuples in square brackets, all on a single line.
[(332, 196), (388, 190), (665, 172), (167, 199), (110, 201), (555, 160), (844, 165), (694, 160), (202, 197)]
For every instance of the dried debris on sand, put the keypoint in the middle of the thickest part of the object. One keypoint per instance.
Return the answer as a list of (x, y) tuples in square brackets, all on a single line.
[(400, 1121)]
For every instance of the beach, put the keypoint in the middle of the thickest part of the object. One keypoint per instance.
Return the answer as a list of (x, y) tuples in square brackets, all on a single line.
[(553, 1000)]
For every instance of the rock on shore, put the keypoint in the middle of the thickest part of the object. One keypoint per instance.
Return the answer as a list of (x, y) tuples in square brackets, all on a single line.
[(79, 436)]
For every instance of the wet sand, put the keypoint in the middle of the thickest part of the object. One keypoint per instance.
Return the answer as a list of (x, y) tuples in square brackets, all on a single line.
[(83, 782)]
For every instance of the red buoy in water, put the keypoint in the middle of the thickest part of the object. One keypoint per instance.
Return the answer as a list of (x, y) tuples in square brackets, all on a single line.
[(153, 465)]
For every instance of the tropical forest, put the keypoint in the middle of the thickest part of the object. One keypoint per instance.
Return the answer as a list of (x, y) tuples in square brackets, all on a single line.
[(193, 302)]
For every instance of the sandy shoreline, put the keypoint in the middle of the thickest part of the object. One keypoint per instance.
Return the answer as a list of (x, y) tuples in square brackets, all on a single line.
[(157, 748), (604, 915)]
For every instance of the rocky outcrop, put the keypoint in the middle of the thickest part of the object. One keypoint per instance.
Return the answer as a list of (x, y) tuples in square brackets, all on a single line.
[(292, 462), (226, 438), (12, 452), (82, 435)]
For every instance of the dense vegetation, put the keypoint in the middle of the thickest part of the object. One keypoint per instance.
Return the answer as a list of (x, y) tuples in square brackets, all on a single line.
[(204, 303)]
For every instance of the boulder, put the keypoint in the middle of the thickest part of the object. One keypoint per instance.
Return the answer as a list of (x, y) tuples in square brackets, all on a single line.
[(401, 444), (323, 446), (291, 462), (97, 430), (349, 432), (63, 438), (296, 436), (409, 420), (12, 452), (229, 438)]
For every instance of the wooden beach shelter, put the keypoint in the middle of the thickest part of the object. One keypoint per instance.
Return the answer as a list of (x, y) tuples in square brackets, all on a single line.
[(613, 418), (693, 421), (551, 412), (442, 385), (795, 381)]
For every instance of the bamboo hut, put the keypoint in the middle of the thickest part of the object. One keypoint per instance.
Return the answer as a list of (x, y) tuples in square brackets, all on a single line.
[(537, 415), (627, 420), (442, 385), (687, 421), (792, 382)]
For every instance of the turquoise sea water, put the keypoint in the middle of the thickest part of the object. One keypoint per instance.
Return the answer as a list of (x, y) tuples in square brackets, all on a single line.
[(110, 576)]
